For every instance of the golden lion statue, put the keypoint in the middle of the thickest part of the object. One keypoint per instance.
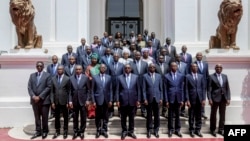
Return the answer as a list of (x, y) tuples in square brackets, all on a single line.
[(229, 15), (22, 14)]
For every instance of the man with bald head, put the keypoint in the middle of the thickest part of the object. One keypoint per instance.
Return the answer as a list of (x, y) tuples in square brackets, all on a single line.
[(219, 96), (81, 50), (186, 57), (66, 56)]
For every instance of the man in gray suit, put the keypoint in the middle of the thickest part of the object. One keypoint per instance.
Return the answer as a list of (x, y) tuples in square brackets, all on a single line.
[(128, 98), (60, 91), (195, 99), (39, 86), (219, 96), (79, 100), (152, 95), (102, 97)]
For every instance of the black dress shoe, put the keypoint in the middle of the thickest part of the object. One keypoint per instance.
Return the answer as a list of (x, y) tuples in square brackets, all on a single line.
[(157, 135), (198, 133), (191, 134), (65, 134), (82, 136), (170, 133), (105, 134), (221, 132), (148, 134), (75, 135), (44, 135), (36, 135), (124, 134), (213, 133), (178, 133), (97, 135), (132, 135), (56, 135)]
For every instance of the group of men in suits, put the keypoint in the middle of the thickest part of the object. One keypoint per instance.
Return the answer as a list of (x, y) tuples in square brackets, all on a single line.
[(166, 78)]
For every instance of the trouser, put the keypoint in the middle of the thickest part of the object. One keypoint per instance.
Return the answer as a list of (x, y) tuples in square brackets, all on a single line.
[(41, 113)]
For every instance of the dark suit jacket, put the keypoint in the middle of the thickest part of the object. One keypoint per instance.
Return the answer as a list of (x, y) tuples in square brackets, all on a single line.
[(67, 70), (154, 52), (105, 44), (50, 69), (110, 44), (143, 70), (100, 52), (60, 92), (204, 72), (100, 92), (150, 89), (128, 96), (80, 51), (159, 70), (119, 51), (65, 58), (173, 51), (216, 91), (183, 68), (195, 89), (174, 89), (115, 73), (156, 43), (42, 89), (188, 60), (79, 93), (83, 61)]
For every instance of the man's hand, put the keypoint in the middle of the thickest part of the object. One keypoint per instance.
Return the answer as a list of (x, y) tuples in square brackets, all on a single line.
[(146, 102), (203, 103), (137, 103), (118, 104), (228, 102), (181, 104), (87, 103), (167, 104), (70, 105), (210, 102), (160, 102), (36, 99), (188, 104), (53, 106), (110, 104)]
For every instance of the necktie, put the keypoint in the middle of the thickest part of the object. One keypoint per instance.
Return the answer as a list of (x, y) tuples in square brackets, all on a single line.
[(54, 68), (138, 66), (78, 79), (115, 66), (162, 68), (174, 77), (103, 80), (185, 57), (150, 51), (128, 80), (200, 65), (108, 58), (220, 79), (153, 78), (71, 69), (59, 79), (38, 77), (195, 78)]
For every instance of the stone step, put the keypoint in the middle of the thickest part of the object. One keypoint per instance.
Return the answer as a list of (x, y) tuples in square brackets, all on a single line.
[(114, 126)]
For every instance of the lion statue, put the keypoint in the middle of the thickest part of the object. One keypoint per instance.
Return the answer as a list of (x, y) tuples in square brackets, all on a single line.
[(22, 14), (229, 15)]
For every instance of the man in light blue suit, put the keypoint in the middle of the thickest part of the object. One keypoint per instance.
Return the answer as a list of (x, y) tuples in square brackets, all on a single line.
[(102, 97), (174, 97), (128, 98), (152, 95)]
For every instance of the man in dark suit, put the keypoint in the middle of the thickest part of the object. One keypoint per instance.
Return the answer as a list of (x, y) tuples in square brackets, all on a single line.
[(39, 86), (219, 96), (79, 100), (104, 39), (195, 99), (171, 50), (156, 43), (162, 68), (107, 59), (116, 48), (81, 50), (115, 69), (202, 69), (52, 70), (59, 95), (166, 58), (66, 56), (152, 51), (152, 95), (102, 97), (128, 98), (70, 68), (85, 59), (139, 68), (174, 97), (99, 49), (146, 37), (186, 57), (110, 43)]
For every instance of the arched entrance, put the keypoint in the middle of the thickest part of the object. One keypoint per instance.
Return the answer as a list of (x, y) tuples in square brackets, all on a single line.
[(124, 16)]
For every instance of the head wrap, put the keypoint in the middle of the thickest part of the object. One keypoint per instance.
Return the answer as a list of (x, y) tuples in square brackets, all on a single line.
[(94, 55), (144, 50)]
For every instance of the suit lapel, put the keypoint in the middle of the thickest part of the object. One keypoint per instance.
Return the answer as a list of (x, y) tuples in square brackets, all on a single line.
[(216, 80)]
